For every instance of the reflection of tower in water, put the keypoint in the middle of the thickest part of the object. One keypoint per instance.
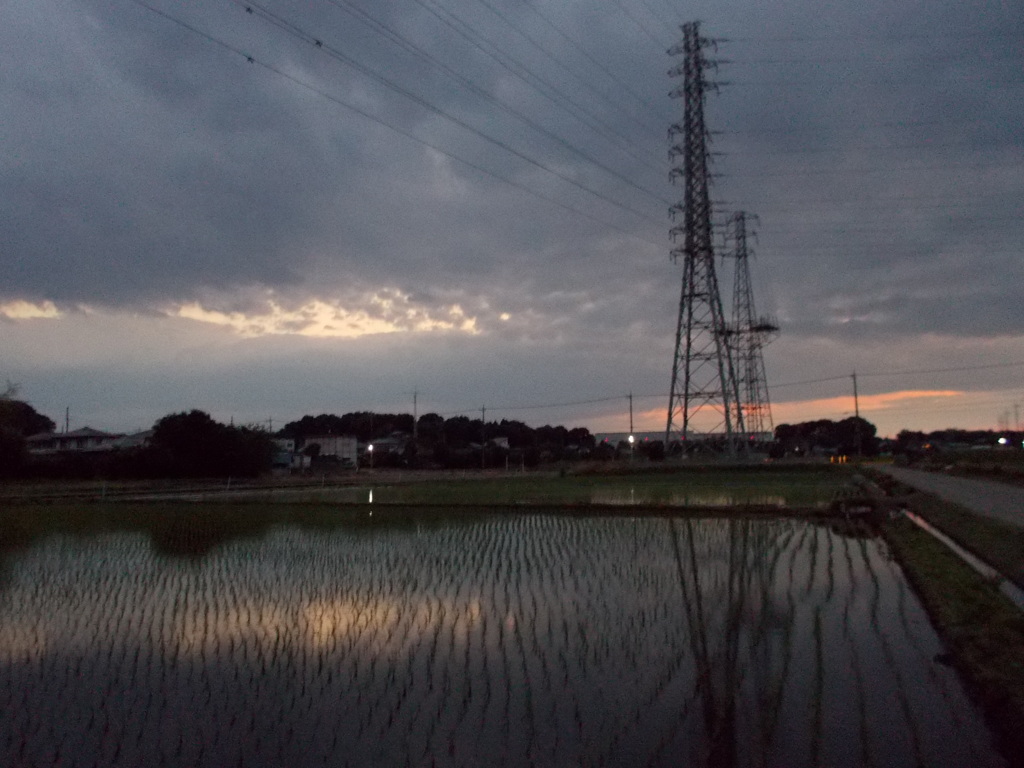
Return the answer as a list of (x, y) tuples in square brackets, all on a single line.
[(806, 651), (738, 632)]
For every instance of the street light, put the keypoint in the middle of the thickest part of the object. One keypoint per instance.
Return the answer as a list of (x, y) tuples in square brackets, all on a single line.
[(631, 441), (370, 449)]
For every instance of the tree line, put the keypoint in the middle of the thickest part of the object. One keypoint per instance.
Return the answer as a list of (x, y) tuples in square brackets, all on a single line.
[(193, 444), (454, 442)]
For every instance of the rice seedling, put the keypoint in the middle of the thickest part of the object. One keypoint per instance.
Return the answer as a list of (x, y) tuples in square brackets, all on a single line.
[(512, 640)]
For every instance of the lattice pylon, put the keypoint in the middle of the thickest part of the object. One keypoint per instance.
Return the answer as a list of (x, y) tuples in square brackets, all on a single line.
[(704, 397), (748, 335)]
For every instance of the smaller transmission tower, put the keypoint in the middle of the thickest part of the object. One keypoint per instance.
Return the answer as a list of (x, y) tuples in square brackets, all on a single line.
[(704, 397), (747, 336)]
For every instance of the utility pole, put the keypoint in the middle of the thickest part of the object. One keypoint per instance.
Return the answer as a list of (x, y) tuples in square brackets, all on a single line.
[(703, 379), (856, 415), (483, 437), (632, 439), (415, 426)]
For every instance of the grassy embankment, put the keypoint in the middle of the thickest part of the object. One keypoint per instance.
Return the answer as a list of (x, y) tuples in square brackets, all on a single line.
[(997, 543), (797, 488), (982, 628), (1003, 465), (699, 487)]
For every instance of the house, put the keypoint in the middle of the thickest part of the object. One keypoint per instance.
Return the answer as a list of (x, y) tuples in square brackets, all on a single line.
[(286, 455), (134, 440), (342, 449), (83, 440), (395, 443)]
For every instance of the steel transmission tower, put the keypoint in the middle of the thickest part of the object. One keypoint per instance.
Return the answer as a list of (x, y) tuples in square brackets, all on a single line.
[(704, 396), (747, 336)]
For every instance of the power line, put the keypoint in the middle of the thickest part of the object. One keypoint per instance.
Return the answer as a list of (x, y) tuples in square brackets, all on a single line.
[(902, 372), (892, 37), (826, 379), (546, 406), (807, 150), (957, 369), (416, 50), (859, 127), (529, 38), (593, 61), (639, 24), (885, 206), (314, 41), (974, 166), (550, 91), (341, 102), (970, 56)]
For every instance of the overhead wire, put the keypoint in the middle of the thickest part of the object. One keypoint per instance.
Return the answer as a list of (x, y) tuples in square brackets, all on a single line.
[(673, 29), (591, 59), (585, 82), (320, 92), (418, 51), (664, 396), (639, 24), (315, 41), (550, 91), (889, 37), (973, 166)]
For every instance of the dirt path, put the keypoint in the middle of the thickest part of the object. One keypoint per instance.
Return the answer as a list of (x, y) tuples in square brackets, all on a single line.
[(984, 497)]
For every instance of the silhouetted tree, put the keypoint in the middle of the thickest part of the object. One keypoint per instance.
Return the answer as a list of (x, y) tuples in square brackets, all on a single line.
[(12, 453), (824, 434), (18, 420), (22, 419), (194, 445)]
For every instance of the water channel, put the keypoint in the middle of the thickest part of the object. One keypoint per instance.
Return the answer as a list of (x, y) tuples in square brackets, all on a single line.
[(527, 640)]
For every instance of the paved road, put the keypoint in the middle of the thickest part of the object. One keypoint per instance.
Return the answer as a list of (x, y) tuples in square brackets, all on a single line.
[(991, 499)]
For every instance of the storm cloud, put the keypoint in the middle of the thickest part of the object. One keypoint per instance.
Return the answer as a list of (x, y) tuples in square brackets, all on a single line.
[(470, 197)]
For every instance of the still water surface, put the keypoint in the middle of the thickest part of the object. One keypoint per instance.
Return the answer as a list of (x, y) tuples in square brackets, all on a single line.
[(493, 641)]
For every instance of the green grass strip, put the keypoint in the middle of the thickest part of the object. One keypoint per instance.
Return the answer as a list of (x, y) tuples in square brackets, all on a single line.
[(983, 630), (997, 543)]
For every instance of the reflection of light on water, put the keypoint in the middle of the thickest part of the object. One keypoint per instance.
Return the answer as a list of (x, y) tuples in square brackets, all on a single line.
[(725, 500), (686, 498), (371, 496), (326, 622), (386, 626), (21, 641)]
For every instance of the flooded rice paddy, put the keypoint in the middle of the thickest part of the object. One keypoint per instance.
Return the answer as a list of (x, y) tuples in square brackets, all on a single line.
[(477, 641)]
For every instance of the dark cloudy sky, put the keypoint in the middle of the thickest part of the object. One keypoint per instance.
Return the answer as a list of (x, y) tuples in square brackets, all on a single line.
[(468, 199)]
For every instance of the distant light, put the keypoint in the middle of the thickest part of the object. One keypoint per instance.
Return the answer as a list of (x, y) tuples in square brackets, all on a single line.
[(1003, 441), (630, 439), (370, 447)]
